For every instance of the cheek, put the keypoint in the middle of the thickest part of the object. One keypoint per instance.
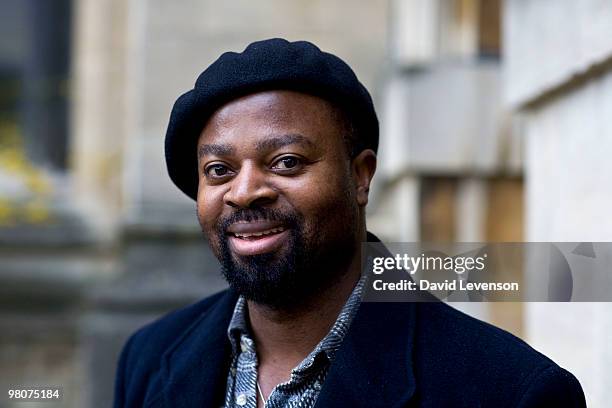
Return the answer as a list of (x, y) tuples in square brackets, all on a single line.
[(209, 207), (324, 200)]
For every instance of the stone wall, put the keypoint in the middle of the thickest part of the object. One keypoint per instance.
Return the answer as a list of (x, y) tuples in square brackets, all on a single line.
[(558, 79)]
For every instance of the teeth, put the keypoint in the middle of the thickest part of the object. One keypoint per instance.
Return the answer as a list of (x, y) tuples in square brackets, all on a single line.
[(259, 234)]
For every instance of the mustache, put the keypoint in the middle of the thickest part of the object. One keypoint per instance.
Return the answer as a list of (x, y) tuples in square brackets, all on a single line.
[(287, 218)]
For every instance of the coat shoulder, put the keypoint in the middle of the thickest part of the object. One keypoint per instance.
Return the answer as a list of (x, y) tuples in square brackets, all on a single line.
[(465, 336), (473, 358), (141, 358), (160, 334)]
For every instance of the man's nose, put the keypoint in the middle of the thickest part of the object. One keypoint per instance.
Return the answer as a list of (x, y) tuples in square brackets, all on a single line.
[(249, 188)]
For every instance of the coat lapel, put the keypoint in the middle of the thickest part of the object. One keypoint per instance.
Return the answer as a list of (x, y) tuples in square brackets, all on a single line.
[(195, 369), (373, 367)]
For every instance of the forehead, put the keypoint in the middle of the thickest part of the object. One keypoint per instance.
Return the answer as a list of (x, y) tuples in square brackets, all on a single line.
[(273, 112)]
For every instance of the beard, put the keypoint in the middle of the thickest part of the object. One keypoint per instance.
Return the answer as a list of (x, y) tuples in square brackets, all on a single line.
[(287, 278)]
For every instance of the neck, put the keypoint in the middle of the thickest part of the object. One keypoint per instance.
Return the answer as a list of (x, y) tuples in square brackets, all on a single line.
[(285, 337)]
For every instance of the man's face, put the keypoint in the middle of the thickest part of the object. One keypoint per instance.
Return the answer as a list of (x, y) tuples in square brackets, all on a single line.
[(277, 196)]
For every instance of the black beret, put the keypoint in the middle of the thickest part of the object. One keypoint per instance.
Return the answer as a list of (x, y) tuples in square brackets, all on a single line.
[(263, 65)]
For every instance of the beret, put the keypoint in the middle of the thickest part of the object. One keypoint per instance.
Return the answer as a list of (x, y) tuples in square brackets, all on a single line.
[(264, 65)]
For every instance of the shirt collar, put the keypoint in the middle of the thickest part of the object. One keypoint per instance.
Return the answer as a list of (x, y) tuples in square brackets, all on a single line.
[(239, 329), (238, 324)]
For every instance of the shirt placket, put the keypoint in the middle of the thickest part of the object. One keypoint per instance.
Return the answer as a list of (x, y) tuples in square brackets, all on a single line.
[(245, 394)]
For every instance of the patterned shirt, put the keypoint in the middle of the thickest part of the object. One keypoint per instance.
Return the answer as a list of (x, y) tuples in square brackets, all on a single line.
[(302, 389)]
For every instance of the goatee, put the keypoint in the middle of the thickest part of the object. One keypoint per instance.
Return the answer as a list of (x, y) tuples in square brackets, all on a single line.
[(287, 277)]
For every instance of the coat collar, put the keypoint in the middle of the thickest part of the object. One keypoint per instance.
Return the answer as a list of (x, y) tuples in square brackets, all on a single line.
[(194, 370), (372, 368)]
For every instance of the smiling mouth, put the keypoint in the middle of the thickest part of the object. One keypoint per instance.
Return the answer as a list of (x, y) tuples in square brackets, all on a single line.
[(257, 237), (249, 236)]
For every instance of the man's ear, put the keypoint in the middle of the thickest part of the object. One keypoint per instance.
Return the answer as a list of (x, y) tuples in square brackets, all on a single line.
[(363, 168)]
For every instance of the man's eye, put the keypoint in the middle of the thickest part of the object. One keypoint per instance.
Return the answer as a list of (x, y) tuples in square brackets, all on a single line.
[(217, 170), (287, 163)]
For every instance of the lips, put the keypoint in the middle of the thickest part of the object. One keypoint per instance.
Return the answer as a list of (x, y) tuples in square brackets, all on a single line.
[(257, 234), (256, 237)]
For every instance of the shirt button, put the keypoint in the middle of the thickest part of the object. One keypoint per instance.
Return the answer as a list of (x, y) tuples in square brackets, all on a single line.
[(244, 347), (241, 400)]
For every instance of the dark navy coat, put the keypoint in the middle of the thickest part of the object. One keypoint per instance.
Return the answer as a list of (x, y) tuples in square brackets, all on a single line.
[(394, 355)]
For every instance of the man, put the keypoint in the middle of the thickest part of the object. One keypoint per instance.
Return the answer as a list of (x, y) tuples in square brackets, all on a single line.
[(277, 145)]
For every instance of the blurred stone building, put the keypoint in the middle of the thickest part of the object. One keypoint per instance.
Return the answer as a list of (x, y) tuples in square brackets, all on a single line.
[(95, 238), (558, 81), (484, 104)]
